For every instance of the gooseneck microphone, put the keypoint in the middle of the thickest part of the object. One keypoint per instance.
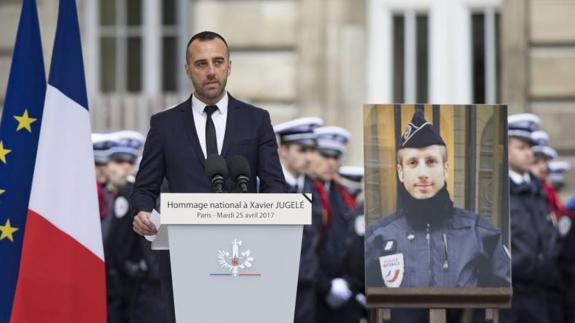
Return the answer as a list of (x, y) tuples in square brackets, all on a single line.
[(240, 172), (217, 170)]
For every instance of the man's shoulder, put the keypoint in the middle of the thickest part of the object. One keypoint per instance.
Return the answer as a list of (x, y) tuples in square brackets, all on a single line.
[(173, 112), (246, 107), (382, 223), (469, 218)]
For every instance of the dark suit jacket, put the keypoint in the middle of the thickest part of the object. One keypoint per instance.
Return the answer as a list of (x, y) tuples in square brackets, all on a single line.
[(173, 151)]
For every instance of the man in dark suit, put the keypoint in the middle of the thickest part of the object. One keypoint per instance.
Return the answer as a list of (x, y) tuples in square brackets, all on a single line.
[(210, 122)]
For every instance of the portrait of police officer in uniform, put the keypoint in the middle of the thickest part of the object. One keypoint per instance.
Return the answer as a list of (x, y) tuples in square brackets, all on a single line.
[(428, 242)]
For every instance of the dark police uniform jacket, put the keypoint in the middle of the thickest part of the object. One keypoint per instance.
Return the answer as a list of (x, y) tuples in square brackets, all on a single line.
[(305, 309), (335, 238), (534, 239), (464, 250), (535, 250), (132, 270)]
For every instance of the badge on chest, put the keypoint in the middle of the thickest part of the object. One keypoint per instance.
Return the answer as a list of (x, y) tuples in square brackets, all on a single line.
[(391, 265)]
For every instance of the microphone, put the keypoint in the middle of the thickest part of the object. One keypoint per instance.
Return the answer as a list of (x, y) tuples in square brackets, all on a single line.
[(240, 171), (217, 171)]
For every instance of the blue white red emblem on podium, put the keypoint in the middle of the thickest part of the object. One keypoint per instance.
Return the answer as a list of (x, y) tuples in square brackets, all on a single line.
[(236, 261)]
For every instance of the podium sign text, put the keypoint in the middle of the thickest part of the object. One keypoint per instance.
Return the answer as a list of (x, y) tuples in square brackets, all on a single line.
[(236, 209)]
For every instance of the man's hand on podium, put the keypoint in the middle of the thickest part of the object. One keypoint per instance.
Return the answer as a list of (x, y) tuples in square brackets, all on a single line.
[(143, 224)]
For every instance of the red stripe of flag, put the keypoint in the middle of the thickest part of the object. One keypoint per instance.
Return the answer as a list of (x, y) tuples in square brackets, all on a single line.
[(62, 280)]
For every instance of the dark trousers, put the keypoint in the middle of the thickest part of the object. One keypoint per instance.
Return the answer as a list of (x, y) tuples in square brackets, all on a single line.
[(141, 302), (529, 307), (305, 304), (350, 312)]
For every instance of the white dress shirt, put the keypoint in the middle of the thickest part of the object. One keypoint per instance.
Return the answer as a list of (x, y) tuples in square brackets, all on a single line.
[(291, 180), (518, 178), (219, 118)]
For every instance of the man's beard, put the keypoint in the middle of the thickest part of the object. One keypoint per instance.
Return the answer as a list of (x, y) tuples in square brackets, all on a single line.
[(201, 94)]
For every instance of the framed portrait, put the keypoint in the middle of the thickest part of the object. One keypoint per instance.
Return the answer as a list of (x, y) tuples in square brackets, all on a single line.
[(437, 202)]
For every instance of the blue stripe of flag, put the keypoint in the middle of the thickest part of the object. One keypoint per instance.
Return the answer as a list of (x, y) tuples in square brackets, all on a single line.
[(67, 67), (26, 91)]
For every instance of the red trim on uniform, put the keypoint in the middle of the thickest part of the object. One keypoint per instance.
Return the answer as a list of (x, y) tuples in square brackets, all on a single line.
[(348, 199), (326, 208), (559, 210), (102, 200), (60, 280)]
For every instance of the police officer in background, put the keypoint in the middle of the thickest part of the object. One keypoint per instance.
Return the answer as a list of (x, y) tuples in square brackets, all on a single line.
[(101, 144), (557, 169), (543, 154), (533, 237), (351, 177), (335, 289), (131, 268), (297, 142)]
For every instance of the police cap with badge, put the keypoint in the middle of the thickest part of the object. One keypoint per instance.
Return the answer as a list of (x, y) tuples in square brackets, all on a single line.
[(299, 131), (101, 143), (126, 146), (332, 141), (351, 179), (522, 125), (541, 146), (557, 169), (420, 133)]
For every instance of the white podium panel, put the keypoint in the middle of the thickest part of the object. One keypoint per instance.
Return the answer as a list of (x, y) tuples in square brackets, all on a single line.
[(207, 290), (235, 262)]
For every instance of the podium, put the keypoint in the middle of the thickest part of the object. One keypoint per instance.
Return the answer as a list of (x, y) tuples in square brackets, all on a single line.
[(234, 257)]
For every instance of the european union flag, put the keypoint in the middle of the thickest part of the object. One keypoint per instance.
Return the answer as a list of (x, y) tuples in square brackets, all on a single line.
[(19, 132)]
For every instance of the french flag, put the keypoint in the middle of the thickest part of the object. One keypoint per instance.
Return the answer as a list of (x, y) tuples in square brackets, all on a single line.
[(62, 277)]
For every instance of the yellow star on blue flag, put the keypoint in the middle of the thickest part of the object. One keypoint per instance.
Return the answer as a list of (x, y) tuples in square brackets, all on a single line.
[(4, 152), (23, 110), (7, 231), (24, 121)]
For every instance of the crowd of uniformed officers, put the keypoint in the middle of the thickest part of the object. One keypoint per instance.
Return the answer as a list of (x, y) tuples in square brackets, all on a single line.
[(331, 277), (542, 252), (132, 270)]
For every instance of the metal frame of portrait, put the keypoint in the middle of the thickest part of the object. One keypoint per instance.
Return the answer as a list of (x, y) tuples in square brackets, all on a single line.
[(477, 181)]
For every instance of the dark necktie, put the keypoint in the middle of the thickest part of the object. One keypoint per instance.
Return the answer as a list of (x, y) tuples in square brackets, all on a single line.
[(211, 140)]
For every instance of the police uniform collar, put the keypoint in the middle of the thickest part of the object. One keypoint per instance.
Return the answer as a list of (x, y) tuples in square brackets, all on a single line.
[(289, 177), (518, 178), (432, 211)]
